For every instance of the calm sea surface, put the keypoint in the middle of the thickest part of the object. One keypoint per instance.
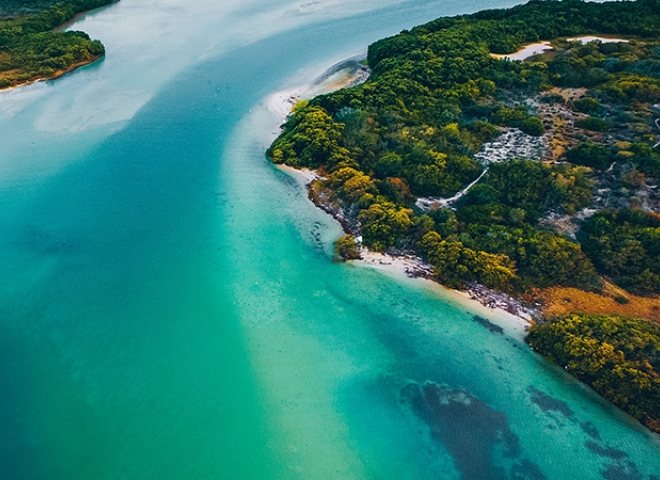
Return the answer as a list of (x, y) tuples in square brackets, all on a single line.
[(169, 308)]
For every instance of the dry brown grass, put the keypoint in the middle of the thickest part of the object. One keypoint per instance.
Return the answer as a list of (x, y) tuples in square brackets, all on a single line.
[(612, 300), (569, 93), (10, 74)]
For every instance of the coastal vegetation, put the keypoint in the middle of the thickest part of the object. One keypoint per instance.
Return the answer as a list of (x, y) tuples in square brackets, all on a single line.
[(617, 356), (625, 245), (346, 248), (30, 48), (536, 178), (436, 96)]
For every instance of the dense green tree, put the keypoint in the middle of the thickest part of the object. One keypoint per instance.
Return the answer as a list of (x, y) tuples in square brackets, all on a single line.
[(591, 155), (617, 356), (346, 248), (312, 140), (594, 124), (456, 265), (436, 95), (625, 245), (518, 118), (30, 49), (530, 186), (384, 225)]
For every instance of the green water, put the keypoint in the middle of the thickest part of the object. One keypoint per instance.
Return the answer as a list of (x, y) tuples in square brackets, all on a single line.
[(168, 307)]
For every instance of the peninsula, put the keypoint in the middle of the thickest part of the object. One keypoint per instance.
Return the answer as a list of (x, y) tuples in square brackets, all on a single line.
[(32, 50), (521, 169)]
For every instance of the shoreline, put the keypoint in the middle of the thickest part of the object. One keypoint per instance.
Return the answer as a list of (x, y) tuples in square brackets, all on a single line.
[(404, 269), (56, 75), (414, 268), (476, 298), (71, 68), (409, 268), (344, 74), (303, 176), (82, 15)]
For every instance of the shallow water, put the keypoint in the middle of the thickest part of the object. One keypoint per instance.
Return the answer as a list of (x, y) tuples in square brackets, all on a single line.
[(169, 308)]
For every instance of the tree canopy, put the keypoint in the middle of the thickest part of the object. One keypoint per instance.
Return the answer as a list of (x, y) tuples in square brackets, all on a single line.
[(617, 356), (436, 95), (30, 49)]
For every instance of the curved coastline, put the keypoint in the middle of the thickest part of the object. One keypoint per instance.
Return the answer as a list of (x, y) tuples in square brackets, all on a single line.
[(403, 268), (81, 16), (368, 191), (240, 349), (57, 74), (61, 28)]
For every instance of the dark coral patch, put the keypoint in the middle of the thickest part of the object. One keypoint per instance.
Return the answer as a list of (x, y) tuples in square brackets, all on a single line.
[(471, 431), (550, 404)]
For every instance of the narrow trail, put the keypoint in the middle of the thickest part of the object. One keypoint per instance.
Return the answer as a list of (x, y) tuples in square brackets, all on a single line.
[(431, 203)]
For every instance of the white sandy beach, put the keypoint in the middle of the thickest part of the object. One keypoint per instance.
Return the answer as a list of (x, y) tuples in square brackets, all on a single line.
[(343, 74), (525, 52), (304, 176), (401, 268)]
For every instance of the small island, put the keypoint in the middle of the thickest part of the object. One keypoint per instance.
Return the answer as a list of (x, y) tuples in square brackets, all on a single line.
[(31, 49), (515, 152)]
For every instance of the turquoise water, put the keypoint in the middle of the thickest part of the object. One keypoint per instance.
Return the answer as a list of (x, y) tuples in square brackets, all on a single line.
[(169, 309)]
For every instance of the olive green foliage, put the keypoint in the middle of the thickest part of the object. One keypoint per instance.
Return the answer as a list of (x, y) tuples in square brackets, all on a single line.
[(528, 185), (642, 155), (518, 118), (457, 264), (625, 245), (624, 73), (591, 155), (617, 356), (587, 105), (384, 223), (346, 248), (313, 140), (30, 49), (500, 214), (435, 96), (594, 124)]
